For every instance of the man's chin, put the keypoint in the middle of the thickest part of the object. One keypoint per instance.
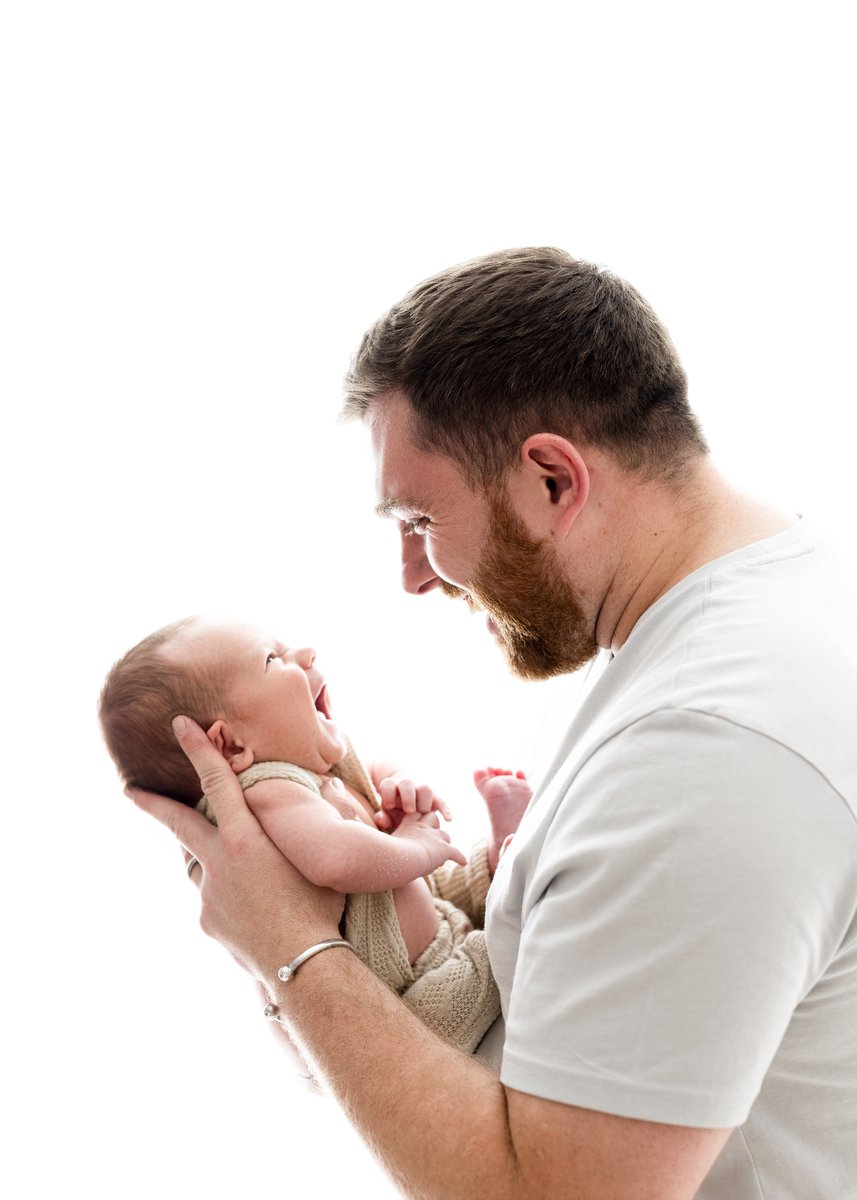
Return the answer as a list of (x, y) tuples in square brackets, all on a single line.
[(533, 658)]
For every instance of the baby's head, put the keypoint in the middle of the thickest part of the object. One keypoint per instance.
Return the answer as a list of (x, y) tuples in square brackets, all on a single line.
[(258, 701)]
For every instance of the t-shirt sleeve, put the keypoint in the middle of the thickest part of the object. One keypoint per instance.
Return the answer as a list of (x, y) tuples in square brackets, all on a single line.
[(685, 900)]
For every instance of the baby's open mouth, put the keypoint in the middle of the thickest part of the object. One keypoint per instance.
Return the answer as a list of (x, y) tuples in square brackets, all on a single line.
[(322, 703)]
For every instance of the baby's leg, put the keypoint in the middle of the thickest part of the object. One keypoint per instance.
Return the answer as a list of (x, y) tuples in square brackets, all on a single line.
[(506, 795), (389, 930), (417, 916)]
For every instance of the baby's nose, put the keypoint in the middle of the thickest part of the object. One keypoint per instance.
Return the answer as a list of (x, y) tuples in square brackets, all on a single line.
[(305, 657)]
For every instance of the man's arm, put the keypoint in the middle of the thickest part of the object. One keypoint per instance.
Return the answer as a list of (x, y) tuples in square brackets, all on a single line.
[(473, 1135)]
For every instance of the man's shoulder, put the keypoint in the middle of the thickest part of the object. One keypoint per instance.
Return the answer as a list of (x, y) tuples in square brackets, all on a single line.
[(755, 640)]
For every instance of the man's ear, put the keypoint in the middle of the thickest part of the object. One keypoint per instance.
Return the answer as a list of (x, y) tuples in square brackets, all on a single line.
[(239, 756), (556, 480)]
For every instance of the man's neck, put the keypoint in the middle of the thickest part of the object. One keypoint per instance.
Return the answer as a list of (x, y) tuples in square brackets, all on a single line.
[(672, 533)]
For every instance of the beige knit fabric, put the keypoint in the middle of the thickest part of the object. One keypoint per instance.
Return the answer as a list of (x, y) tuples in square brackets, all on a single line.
[(454, 992), (465, 887), (450, 986)]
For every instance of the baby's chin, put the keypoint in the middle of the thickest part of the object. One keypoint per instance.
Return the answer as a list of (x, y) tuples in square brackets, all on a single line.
[(318, 755), (340, 746)]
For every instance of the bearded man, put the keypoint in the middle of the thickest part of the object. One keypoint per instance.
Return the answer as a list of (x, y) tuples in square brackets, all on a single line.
[(674, 927)]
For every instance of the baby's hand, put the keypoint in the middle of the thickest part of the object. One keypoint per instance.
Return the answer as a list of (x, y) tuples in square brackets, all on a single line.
[(399, 794), (424, 830)]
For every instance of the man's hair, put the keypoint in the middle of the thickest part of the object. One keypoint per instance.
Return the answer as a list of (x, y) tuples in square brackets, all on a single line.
[(530, 341), (142, 694)]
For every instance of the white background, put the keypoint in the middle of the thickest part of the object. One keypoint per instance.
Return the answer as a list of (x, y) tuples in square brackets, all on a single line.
[(204, 205)]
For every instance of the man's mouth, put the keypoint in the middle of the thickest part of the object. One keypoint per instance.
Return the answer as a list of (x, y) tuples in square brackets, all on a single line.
[(473, 605), (454, 592)]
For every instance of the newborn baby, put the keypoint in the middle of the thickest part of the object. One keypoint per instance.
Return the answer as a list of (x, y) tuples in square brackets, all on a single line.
[(412, 900)]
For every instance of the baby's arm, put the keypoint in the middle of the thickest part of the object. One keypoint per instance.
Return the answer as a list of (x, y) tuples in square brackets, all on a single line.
[(346, 855)]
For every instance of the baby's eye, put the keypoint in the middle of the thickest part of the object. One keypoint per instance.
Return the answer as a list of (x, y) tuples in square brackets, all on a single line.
[(271, 658)]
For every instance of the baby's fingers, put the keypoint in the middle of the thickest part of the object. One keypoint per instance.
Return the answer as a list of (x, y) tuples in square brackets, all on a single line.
[(426, 800), (407, 795), (452, 852), (456, 856), (388, 790), (399, 793), (442, 807)]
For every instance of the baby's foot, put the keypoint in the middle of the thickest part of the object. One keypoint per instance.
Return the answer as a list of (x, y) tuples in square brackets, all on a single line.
[(506, 795)]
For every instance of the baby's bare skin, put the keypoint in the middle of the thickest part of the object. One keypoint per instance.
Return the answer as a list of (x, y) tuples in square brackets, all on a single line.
[(413, 901), (274, 707), (506, 795), (334, 842)]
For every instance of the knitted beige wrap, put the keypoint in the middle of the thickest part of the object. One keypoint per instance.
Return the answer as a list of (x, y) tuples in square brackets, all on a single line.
[(465, 887), (450, 986)]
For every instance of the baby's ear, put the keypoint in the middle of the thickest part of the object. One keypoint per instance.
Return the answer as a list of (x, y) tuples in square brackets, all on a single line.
[(239, 756)]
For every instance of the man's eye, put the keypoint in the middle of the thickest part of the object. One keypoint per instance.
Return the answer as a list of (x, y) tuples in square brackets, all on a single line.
[(417, 525)]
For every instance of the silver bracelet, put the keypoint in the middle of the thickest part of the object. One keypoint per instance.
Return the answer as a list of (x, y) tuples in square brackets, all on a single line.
[(286, 973)]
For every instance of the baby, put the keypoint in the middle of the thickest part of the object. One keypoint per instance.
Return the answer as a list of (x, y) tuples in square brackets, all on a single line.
[(412, 899)]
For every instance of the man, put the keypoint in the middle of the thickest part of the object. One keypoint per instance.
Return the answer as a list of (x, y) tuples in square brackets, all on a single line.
[(673, 927)]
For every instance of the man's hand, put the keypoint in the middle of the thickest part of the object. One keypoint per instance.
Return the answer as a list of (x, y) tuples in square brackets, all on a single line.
[(399, 794), (254, 902)]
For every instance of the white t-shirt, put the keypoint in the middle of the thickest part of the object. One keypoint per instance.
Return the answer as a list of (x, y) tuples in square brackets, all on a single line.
[(674, 926)]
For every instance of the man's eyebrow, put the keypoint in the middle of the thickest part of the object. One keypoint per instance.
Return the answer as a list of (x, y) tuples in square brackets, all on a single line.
[(392, 505)]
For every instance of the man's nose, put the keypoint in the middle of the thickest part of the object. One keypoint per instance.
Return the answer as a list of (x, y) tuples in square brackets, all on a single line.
[(418, 576)]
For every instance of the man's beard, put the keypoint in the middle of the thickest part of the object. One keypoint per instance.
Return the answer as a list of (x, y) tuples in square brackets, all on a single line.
[(539, 621)]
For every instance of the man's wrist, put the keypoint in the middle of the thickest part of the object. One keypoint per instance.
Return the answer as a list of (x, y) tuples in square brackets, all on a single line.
[(290, 969), (287, 972)]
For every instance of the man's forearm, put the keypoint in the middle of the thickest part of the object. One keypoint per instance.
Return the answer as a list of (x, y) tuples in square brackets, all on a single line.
[(435, 1117)]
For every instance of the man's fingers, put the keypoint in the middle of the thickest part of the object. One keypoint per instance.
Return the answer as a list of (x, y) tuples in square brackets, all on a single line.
[(191, 864), (216, 778)]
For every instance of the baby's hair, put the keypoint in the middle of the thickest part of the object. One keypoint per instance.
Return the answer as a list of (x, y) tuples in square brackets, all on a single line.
[(142, 694)]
